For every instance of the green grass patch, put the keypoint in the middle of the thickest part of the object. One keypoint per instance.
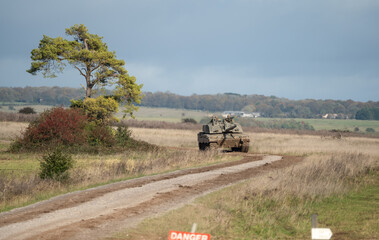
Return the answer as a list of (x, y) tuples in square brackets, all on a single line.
[(340, 124), (167, 114), (16, 165), (352, 216), (230, 214)]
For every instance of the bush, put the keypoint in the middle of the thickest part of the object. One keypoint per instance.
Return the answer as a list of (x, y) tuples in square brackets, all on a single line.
[(71, 129), (189, 120), (27, 110), (123, 135), (55, 127), (55, 166), (99, 135), (370, 130)]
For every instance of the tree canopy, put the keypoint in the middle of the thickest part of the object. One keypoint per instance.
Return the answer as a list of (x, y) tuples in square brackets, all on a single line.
[(90, 56)]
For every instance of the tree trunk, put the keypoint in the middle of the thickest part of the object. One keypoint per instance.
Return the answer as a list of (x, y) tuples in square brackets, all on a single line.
[(89, 83), (88, 92)]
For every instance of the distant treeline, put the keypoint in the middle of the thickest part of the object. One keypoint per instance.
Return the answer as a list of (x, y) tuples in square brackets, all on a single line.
[(267, 106), (40, 95), (368, 113)]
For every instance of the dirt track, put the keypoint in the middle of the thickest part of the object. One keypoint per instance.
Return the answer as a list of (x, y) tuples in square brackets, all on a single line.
[(99, 212)]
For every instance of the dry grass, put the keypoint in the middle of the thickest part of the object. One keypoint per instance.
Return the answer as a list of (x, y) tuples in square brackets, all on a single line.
[(270, 143), (331, 133), (20, 184), (278, 205), (327, 161), (17, 117), (316, 176), (158, 124), (287, 144), (166, 137), (11, 130), (274, 205)]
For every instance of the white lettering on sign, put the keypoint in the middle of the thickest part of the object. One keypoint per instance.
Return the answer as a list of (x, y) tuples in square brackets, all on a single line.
[(321, 233), (175, 235)]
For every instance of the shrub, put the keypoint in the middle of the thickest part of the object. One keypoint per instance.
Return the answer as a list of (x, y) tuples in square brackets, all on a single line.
[(189, 120), (55, 165), (55, 127), (123, 135), (370, 130), (72, 129), (27, 110), (99, 135)]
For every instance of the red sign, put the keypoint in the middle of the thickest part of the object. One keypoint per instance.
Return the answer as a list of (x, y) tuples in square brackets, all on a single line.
[(175, 235)]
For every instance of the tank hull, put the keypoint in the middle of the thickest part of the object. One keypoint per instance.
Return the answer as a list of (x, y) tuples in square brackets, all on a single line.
[(235, 141)]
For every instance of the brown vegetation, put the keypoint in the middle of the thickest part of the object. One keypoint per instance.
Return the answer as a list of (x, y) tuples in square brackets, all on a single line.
[(277, 201), (17, 117), (278, 204), (97, 169), (190, 126), (11, 130)]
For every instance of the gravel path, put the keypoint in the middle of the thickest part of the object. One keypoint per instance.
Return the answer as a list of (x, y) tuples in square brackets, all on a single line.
[(102, 215)]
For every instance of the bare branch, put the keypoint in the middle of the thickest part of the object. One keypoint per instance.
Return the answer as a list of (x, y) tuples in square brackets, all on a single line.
[(85, 44), (99, 65), (80, 71)]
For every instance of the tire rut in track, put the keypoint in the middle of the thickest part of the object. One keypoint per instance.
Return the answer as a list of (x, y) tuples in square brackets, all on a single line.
[(107, 223), (76, 198)]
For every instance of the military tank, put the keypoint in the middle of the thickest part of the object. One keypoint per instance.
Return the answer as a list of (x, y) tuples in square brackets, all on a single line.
[(223, 134)]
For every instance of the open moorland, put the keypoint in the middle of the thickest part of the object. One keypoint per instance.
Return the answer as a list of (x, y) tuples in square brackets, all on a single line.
[(336, 178)]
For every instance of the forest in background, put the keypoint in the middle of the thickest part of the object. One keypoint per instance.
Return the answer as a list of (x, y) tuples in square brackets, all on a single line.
[(267, 106)]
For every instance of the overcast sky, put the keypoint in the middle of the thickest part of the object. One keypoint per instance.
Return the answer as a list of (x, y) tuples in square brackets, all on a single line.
[(297, 49)]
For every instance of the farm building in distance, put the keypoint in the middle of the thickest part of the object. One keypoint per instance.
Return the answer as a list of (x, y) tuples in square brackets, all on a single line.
[(241, 114)]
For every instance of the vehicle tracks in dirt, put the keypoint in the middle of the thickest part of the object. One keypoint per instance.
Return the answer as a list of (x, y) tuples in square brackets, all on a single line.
[(99, 212)]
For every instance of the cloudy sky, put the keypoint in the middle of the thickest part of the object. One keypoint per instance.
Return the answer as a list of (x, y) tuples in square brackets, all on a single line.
[(297, 49)]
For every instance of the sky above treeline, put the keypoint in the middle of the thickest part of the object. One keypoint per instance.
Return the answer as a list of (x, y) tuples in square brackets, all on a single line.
[(320, 49)]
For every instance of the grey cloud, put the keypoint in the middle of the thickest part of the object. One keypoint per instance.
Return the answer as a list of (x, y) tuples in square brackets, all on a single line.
[(293, 49)]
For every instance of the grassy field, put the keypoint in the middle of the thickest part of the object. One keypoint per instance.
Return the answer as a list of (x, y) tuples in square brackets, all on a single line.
[(338, 179), (17, 107), (176, 115), (237, 213), (168, 114), (340, 124), (20, 184)]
